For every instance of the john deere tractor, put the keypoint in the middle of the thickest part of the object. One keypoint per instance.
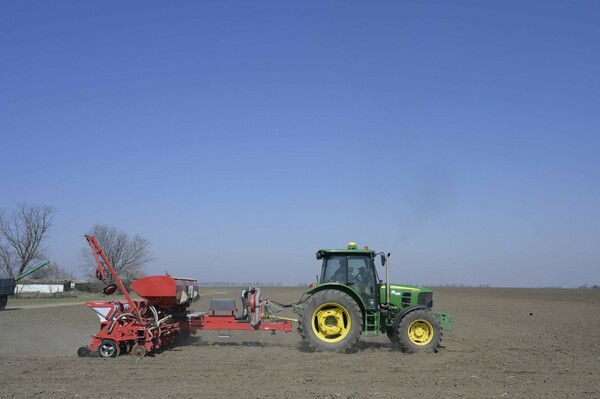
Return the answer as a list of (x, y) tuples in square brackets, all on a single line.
[(349, 299)]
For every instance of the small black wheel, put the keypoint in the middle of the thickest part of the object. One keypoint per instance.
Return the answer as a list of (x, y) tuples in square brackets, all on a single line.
[(109, 348), (83, 352), (331, 321), (3, 302), (419, 330)]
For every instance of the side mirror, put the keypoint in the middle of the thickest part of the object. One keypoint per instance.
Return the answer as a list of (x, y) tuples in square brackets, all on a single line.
[(382, 260)]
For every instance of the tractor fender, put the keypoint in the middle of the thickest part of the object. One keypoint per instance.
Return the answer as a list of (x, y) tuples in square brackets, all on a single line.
[(406, 311), (340, 287), (446, 320)]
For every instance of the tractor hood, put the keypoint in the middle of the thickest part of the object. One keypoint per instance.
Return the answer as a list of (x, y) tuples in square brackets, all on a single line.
[(403, 295), (405, 288)]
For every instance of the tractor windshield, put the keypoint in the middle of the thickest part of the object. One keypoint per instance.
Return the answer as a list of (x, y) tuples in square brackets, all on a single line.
[(357, 271)]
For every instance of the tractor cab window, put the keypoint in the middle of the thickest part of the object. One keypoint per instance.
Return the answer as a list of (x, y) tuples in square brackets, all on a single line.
[(355, 271), (334, 269)]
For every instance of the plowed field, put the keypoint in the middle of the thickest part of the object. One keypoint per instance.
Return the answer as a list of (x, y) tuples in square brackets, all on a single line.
[(507, 343)]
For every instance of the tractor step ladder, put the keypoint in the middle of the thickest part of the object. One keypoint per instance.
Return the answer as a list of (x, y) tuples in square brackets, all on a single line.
[(372, 323)]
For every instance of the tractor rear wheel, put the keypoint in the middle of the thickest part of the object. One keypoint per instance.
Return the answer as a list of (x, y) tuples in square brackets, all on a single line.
[(419, 330), (331, 321)]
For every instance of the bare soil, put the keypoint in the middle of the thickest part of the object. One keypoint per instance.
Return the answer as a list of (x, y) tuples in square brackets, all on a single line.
[(507, 343)]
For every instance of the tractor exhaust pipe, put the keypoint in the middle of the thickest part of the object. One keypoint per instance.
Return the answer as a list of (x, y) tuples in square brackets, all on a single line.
[(387, 280)]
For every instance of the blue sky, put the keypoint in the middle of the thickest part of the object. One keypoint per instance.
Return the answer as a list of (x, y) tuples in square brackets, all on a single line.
[(240, 137)]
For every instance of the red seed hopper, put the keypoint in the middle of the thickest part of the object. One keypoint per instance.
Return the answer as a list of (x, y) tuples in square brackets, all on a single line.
[(166, 291)]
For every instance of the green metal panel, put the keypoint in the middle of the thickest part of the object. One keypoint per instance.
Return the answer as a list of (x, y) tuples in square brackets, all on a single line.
[(351, 250), (402, 295), (446, 320)]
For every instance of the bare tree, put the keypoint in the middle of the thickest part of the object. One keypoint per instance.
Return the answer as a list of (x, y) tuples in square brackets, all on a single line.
[(128, 255), (52, 272), (22, 232)]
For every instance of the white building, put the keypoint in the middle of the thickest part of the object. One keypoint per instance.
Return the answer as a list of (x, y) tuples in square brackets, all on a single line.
[(43, 286)]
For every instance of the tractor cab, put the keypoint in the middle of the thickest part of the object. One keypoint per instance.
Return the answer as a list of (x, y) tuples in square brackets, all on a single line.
[(354, 268)]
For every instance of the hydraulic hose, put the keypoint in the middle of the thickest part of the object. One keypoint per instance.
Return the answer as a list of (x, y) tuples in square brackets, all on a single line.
[(256, 316), (124, 315), (245, 305), (155, 313)]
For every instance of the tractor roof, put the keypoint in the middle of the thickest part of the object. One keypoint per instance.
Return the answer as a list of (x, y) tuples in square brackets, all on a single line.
[(351, 250)]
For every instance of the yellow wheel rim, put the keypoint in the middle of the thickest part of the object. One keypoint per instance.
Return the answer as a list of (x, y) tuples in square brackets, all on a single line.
[(420, 332), (331, 322)]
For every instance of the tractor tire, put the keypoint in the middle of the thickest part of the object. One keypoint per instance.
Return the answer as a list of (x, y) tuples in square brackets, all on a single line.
[(331, 321), (418, 331), (3, 302), (392, 335)]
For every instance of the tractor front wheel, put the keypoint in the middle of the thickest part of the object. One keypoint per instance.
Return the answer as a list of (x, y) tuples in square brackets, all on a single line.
[(331, 321), (419, 330)]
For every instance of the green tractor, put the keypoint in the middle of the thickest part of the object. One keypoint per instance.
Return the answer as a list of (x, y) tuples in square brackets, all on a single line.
[(349, 298)]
